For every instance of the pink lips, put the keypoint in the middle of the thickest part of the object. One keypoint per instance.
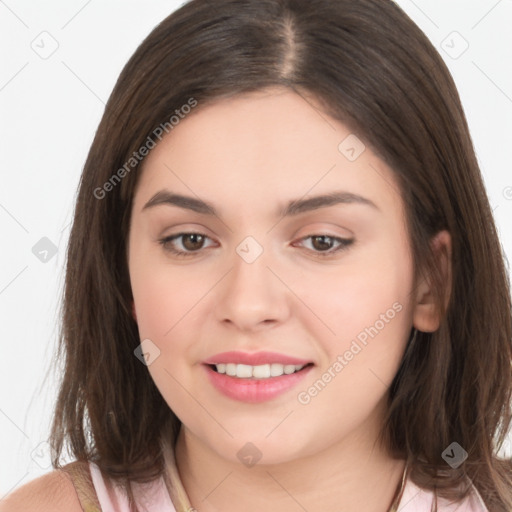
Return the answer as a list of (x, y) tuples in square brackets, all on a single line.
[(255, 359), (252, 390)]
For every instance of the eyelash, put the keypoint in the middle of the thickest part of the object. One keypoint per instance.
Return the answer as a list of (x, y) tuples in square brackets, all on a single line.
[(166, 243)]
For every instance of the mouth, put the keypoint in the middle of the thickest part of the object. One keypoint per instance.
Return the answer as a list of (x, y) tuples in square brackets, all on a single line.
[(255, 384)]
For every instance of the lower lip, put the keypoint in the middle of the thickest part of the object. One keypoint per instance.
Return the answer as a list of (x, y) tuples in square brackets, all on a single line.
[(254, 390)]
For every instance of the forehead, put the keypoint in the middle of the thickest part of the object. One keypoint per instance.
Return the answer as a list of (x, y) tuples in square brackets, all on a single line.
[(262, 147)]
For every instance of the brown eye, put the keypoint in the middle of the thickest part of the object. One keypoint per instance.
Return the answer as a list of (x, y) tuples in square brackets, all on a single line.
[(192, 241), (184, 244), (322, 243), (326, 245)]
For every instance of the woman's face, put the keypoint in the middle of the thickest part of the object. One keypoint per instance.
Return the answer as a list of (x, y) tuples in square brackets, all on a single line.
[(300, 252)]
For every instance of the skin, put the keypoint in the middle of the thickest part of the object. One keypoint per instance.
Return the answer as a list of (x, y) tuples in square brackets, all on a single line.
[(249, 156)]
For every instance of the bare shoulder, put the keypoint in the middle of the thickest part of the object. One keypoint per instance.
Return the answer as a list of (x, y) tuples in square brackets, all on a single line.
[(51, 492)]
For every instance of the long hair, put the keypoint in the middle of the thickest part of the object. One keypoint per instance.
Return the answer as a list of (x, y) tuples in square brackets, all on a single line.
[(371, 68)]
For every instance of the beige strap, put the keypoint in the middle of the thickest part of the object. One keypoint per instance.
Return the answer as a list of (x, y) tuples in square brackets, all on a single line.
[(82, 480), (173, 481), (400, 490)]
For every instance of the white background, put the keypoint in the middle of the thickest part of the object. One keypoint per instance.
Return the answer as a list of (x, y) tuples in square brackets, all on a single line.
[(49, 110)]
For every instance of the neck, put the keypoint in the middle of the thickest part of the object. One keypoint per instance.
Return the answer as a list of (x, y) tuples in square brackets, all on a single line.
[(350, 473)]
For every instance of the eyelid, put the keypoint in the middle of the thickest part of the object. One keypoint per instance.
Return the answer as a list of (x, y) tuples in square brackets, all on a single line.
[(344, 243), (166, 242)]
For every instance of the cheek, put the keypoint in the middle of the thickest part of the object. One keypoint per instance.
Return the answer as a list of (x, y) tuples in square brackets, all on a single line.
[(371, 319), (162, 295), (172, 304), (354, 296), (366, 312), (164, 304), (151, 303)]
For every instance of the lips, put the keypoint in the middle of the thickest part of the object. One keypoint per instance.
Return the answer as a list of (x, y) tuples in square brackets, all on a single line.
[(251, 389), (255, 359)]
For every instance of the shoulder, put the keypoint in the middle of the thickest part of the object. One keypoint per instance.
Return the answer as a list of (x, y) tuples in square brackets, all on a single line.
[(53, 492)]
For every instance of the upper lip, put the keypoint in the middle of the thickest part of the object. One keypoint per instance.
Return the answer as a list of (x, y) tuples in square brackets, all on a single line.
[(255, 358)]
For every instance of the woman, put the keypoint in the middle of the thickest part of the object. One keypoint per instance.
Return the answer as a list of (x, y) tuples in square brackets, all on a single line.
[(284, 285)]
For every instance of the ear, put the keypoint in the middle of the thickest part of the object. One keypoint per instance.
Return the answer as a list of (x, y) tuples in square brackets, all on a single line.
[(426, 316)]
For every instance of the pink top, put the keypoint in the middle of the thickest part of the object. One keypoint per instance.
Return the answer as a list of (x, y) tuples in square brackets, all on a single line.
[(416, 499), (154, 497)]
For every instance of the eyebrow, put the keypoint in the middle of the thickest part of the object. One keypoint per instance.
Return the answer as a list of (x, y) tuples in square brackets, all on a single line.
[(294, 207)]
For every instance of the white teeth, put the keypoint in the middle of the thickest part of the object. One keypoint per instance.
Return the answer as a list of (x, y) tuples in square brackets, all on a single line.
[(230, 369), (264, 371), (276, 369), (261, 372), (243, 371), (289, 368)]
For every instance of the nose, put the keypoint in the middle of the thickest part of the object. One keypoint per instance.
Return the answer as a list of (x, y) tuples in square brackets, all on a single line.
[(251, 297)]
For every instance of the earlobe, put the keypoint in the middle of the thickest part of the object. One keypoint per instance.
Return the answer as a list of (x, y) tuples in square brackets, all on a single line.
[(427, 316)]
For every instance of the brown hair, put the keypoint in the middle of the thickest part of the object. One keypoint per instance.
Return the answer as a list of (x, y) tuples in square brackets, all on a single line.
[(373, 69)]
